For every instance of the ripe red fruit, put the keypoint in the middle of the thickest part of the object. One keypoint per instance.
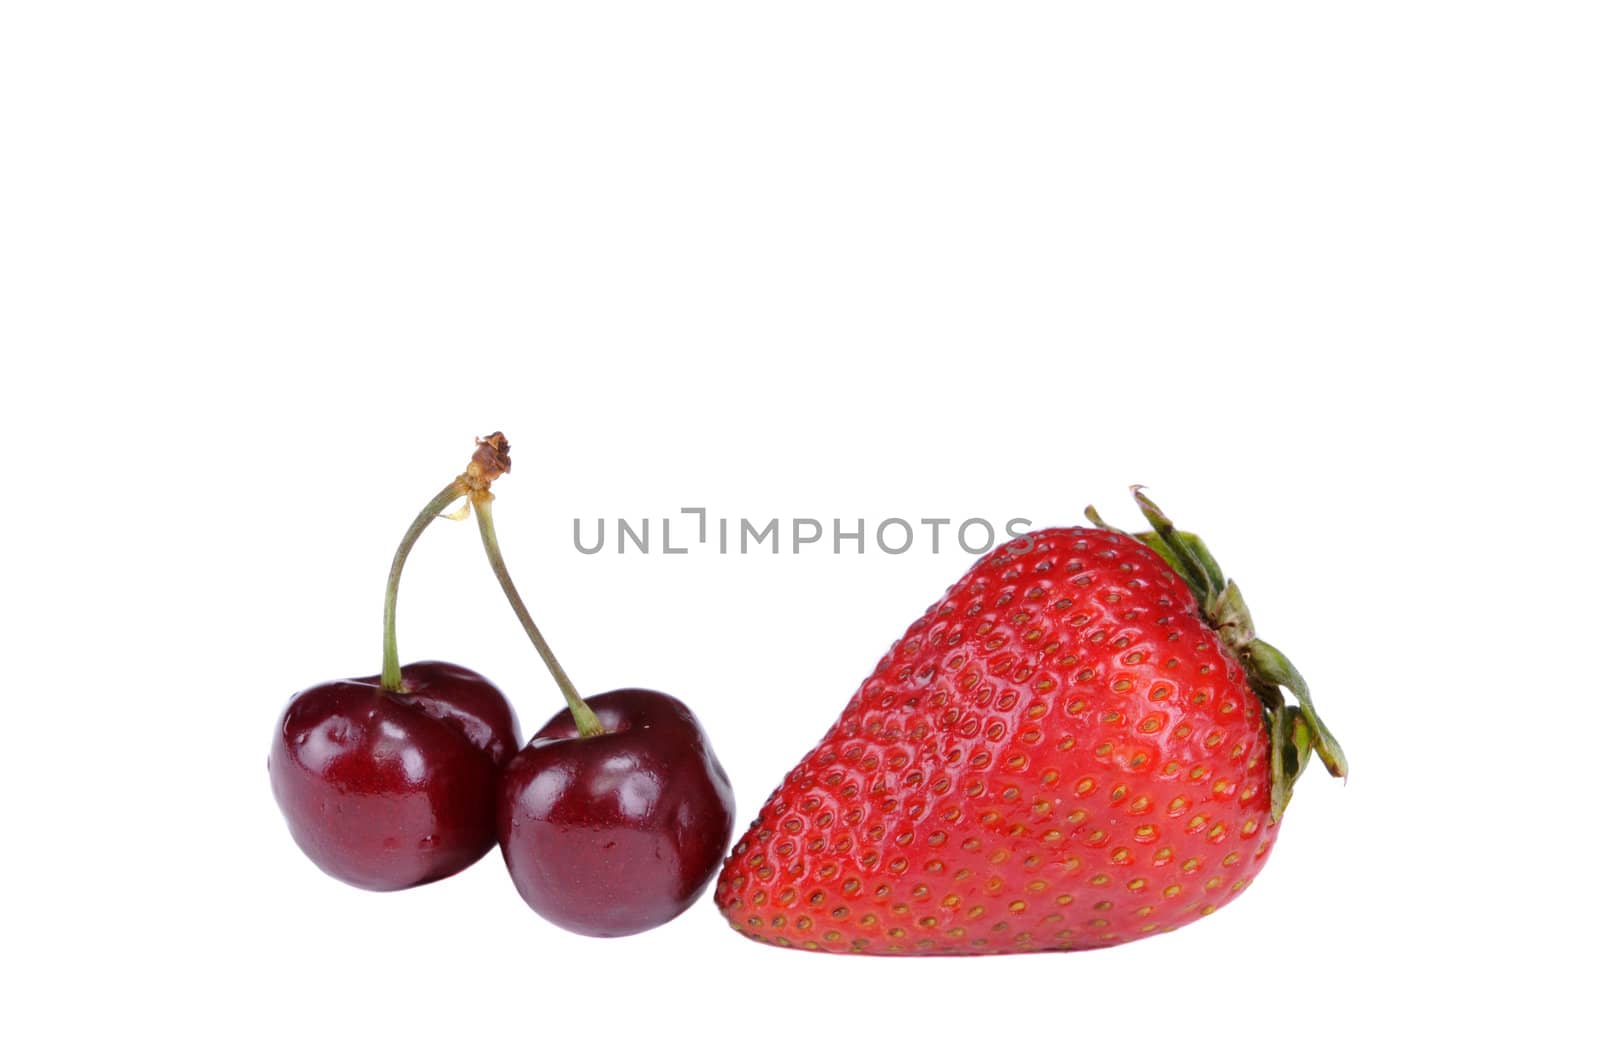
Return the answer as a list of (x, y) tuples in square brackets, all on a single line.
[(1082, 743), (391, 789), (622, 831), (391, 781), (613, 819)]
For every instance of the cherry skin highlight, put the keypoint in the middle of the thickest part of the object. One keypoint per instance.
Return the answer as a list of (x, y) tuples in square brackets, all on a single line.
[(388, 790), (619, 832)]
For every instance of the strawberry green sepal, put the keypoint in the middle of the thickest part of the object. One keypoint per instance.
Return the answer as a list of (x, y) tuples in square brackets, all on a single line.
[(1296, 729)]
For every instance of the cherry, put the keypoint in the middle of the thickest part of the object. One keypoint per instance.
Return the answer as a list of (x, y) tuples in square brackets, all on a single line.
[(392, 780), (615, 816), (621, 831), (390, 789)]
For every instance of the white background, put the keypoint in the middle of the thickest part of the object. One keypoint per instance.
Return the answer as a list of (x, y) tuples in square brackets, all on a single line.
[(1323, 276)]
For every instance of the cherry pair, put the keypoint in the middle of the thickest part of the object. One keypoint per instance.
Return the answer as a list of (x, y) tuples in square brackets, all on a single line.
[(611, 820)]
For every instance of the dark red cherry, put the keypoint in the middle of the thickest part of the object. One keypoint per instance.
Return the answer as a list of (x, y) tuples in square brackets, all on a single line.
[(618, 832), (389, 790)]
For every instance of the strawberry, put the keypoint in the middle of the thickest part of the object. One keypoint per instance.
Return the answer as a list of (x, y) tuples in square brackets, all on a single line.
[(1081, 744)]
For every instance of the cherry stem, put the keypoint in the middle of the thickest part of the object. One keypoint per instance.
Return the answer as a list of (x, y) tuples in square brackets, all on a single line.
[(390, 680), (588, 723)]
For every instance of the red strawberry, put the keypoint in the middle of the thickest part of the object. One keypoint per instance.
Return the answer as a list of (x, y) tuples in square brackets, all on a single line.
[(1082, 743)]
